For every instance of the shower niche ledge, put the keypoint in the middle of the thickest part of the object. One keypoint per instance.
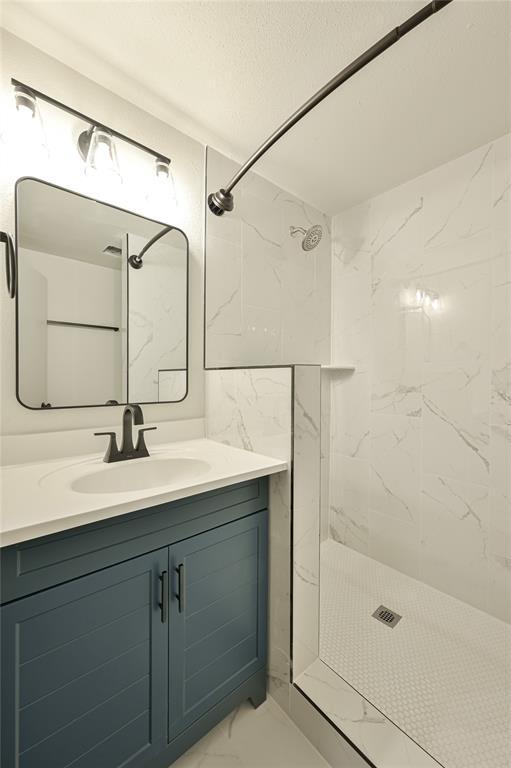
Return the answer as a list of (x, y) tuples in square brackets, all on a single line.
[(339, 368)]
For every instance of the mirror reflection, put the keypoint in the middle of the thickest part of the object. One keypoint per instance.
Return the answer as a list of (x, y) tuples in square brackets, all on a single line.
[(101, 302)]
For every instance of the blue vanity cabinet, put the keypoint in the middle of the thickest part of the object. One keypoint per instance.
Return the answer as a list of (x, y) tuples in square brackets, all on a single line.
[(124, 641), (217, 616), (84, 666)]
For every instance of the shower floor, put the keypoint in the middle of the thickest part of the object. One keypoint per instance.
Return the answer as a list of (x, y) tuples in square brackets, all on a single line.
[(442, 674)]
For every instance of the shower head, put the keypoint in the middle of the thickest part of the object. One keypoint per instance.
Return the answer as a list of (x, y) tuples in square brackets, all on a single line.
[(311, 236)]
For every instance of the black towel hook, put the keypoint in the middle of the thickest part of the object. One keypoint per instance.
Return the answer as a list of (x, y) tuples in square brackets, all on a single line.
[(10, 264)]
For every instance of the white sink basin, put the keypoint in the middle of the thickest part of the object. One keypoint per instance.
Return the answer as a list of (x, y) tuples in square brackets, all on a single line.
[(41, 498), (139, 474)]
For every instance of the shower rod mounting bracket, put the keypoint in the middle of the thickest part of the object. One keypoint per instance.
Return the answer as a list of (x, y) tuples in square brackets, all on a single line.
[(222, 201), (135, 260)]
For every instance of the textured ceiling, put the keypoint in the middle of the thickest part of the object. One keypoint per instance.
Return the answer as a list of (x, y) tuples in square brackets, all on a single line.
[(230, 72)]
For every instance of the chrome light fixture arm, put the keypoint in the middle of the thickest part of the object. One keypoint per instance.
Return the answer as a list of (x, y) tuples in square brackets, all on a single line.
[(222, 200)]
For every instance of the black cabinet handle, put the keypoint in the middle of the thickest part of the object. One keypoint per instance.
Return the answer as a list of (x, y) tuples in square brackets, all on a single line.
[(164, 578), (180, 570), (10, 264)]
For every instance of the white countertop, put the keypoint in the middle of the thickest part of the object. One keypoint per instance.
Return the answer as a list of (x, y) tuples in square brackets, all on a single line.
[(37, 498)]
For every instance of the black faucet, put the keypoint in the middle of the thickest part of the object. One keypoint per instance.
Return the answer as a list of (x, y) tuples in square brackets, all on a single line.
[(132, 415)]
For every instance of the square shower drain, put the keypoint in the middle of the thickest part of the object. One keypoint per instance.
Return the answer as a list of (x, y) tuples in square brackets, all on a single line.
[(386, 616)]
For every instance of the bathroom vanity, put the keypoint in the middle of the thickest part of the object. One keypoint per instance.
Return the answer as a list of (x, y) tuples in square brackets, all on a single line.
[(133, 590), (133, 593), (126, 639)]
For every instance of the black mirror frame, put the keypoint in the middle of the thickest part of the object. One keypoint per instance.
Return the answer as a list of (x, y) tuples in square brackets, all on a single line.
[(44, 407)]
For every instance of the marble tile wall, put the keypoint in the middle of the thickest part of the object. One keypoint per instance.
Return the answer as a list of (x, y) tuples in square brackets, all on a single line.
[(420, 440), (306, 515), (251, 409), (157, 323), (267, 300)]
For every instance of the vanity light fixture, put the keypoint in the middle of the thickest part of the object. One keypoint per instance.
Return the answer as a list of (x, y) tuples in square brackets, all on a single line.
[(95, 145), (97, 148)]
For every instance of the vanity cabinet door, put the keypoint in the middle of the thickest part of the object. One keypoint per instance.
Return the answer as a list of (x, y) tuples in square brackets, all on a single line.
[(217, 616), (83, 671)]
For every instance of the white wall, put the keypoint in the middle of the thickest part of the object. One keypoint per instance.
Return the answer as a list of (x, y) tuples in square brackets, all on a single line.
[(30, 65), (82, 365), (33, 352), (421, 432)]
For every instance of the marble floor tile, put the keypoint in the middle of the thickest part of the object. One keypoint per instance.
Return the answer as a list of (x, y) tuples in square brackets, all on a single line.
[(253, 738)]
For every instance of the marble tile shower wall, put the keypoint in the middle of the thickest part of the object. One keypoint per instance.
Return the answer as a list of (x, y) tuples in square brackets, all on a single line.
[(251, 409), (306, 514), (421, 433), (267, 300)]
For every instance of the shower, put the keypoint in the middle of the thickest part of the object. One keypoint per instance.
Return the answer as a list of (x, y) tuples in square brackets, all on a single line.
[(311, 236)]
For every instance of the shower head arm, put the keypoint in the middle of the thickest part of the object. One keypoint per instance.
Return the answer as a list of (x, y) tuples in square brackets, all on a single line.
[(294, 231), (222, 200)]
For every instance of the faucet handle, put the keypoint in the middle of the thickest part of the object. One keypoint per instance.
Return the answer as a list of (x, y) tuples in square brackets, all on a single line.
[(141, 448), (112, 452)]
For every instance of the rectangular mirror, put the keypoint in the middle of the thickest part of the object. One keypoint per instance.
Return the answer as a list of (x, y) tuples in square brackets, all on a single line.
[(93, 326)]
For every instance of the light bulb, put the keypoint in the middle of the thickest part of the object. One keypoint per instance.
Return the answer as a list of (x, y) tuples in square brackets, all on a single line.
[(102, 160), (25, 114), (162, 169), (162, 194), (27, 129), (97, 148)]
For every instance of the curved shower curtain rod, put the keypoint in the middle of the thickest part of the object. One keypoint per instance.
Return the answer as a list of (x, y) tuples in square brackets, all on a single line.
[(222, 201)]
